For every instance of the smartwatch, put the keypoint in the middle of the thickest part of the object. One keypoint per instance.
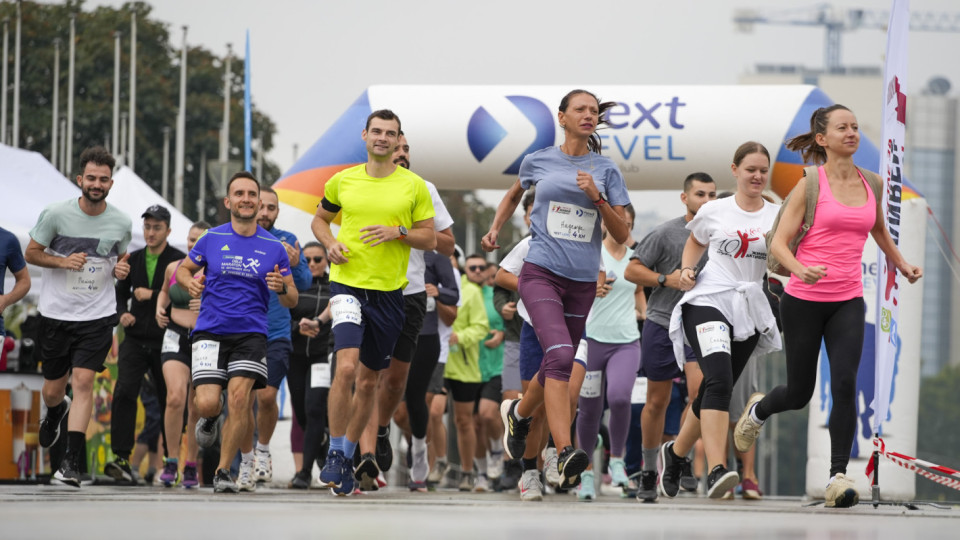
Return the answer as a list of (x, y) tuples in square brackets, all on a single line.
[(403, 232), (601, 201), (661, 280)]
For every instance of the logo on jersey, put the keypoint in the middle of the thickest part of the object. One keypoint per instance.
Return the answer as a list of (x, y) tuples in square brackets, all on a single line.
[(252, 264), (225, 248), (484, 133)]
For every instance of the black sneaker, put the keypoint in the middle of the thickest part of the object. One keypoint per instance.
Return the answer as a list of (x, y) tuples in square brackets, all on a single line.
[(69, 472), (50, 425), (648, 487), (672, 474), (720, 480), (367, 473), (512, 471), (515, 432), (688, 482), (570, 464), (384, 449), (119, 469), (301, 480)]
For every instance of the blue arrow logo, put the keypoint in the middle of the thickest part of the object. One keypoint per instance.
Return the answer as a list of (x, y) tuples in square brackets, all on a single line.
[(484, 133)]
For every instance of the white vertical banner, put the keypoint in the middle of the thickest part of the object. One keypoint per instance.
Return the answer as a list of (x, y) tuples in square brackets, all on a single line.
[(891, 171)]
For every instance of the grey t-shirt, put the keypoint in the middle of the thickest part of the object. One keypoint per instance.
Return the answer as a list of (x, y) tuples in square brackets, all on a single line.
[(662, 252)]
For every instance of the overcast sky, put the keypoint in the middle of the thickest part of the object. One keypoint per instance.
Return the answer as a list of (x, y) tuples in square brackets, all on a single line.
[(312, 59)]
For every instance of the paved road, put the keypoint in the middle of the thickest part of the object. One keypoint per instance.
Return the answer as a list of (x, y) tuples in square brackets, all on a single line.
[(101, 512)]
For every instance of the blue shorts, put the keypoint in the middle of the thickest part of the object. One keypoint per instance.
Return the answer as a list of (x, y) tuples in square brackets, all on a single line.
[(657, 361), (379, 327), (671, 426), (278, 361), (531, 355)]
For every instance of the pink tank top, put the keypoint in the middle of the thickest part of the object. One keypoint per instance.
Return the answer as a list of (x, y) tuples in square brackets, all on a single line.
[(836, 242)]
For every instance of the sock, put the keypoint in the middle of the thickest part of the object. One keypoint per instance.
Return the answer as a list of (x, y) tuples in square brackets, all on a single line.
[(263, 447), (480, 465), (349, 447), (336, 444), (650, 459), (753, 415), (190, 464), (383, 431), (246, 457), (496, 445), (421, 467), (529, 464), (75, 442)]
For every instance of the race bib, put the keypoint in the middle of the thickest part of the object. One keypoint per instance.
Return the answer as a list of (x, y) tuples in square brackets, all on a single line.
[(345, 308), (639, 393), (431, 304), (713, 337), (582, 351), (320, 376), (206, 355), (171, 342), (591, 384), (91, 279), (571, 222)]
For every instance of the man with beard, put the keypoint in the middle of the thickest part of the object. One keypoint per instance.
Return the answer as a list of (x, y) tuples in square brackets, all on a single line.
[(81, 245), (243, 266), (278, 351), (140, 350)]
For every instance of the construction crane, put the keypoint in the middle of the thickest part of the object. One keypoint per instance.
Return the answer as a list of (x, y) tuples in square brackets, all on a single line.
[(836, 21)]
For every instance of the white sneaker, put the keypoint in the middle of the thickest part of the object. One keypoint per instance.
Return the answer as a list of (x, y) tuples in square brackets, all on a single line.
[(531, 489), (550, 471), (246, 480), (263, 471), (495, 464), (747, 430), (841, 492), (481, 483)]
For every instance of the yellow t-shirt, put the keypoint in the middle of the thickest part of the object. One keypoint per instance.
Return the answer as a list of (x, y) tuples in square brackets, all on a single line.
[(399, 199)]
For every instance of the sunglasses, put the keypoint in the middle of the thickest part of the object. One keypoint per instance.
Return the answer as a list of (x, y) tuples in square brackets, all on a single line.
[(316, 260), (477, 268)]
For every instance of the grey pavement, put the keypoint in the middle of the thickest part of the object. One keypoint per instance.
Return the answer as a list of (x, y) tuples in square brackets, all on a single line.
[(100, 512)]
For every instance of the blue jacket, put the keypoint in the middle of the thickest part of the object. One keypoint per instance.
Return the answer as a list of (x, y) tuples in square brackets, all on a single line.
[(278, 317)]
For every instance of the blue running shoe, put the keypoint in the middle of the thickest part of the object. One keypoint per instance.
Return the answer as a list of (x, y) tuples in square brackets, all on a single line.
[(348, 480), (332, 473)]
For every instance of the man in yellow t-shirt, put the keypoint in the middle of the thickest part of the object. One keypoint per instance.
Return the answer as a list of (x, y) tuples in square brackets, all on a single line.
[(385, 210)]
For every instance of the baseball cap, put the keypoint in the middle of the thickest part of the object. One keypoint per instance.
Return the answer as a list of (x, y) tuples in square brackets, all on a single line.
[(158, 212)]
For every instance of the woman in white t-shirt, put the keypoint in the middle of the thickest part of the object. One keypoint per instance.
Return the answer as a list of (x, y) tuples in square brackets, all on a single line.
[(724, 314)]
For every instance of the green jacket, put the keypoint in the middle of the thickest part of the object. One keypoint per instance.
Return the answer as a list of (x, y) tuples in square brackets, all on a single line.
[(471, 327)]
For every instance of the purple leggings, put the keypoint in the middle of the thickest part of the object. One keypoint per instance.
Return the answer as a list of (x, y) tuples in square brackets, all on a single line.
[(558, 309), (619, 363)]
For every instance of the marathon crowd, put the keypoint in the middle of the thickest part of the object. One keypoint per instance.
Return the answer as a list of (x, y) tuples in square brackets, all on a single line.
[(386, 322)]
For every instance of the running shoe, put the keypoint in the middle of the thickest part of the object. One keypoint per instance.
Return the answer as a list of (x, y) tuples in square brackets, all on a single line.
[(841, 492), (515, 431), (671, 472), (481, 484), (495, 464), (367, 473), (189, 478), (222, 483), (748, 429), (720, 480), (348, 482), (50, 425), (384, 449), (750, 490), (436, 473), (512, 471), (688, 482), (420, 467), (586, 491), (171, 472), (570, 464), (550, 471), (69, 472), (647, 491), (301, 480), (263, 470), (618, 473), (208, 429), (119, 470), (419, 487), (467, 480), (531, 489), (331, 475), (247, 480)]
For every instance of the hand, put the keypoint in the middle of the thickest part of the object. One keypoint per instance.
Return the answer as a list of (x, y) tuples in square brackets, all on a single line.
[(309, 327), (911, 272), (454, 340), (74, 261), (509, 311), (495, 340), (604, 289), (162, 319), (489, 241), (432, 290), (379, 234), (122, 269), (813, 274), (142, 294), (127, 320), (293, 252), (586, 185), (336, 253), (688, 278), (195, 287), (195, 304), (275, 279)]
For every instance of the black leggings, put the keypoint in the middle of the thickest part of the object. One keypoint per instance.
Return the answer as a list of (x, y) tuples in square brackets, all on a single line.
[(421, 370), (310, 408), (720, 369), (840, 326)]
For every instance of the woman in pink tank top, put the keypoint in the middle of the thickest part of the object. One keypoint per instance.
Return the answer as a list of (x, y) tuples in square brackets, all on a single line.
[(823, 301)]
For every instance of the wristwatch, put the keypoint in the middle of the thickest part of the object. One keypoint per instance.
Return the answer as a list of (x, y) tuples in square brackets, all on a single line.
[(601, 201), (403, 232), (661, 280)]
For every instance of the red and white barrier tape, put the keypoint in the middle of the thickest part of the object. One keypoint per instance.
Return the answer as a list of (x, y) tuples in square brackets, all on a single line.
[(944, 476)]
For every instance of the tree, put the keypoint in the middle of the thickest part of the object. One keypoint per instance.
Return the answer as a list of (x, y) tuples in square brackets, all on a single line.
[(158, 84)]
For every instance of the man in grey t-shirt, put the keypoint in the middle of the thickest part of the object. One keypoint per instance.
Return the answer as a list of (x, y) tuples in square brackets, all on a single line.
[(656, 263)]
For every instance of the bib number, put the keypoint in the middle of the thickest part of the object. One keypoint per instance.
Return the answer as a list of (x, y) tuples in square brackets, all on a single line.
[(571, 222), (713, 337), (639, 393), (90, 279), (345, 308), (320, 376), (171, 342), (206, 355), (591, 384)]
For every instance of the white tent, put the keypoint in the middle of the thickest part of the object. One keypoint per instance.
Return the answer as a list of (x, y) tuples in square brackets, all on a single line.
[(133, 195)]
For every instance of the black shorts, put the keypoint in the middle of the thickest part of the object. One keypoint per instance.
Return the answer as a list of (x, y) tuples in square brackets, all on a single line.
[(436, 380), (216, 358), (369, 320), (74, 344), (492, 389), (463, 392), (414, 309), (176, 345)]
